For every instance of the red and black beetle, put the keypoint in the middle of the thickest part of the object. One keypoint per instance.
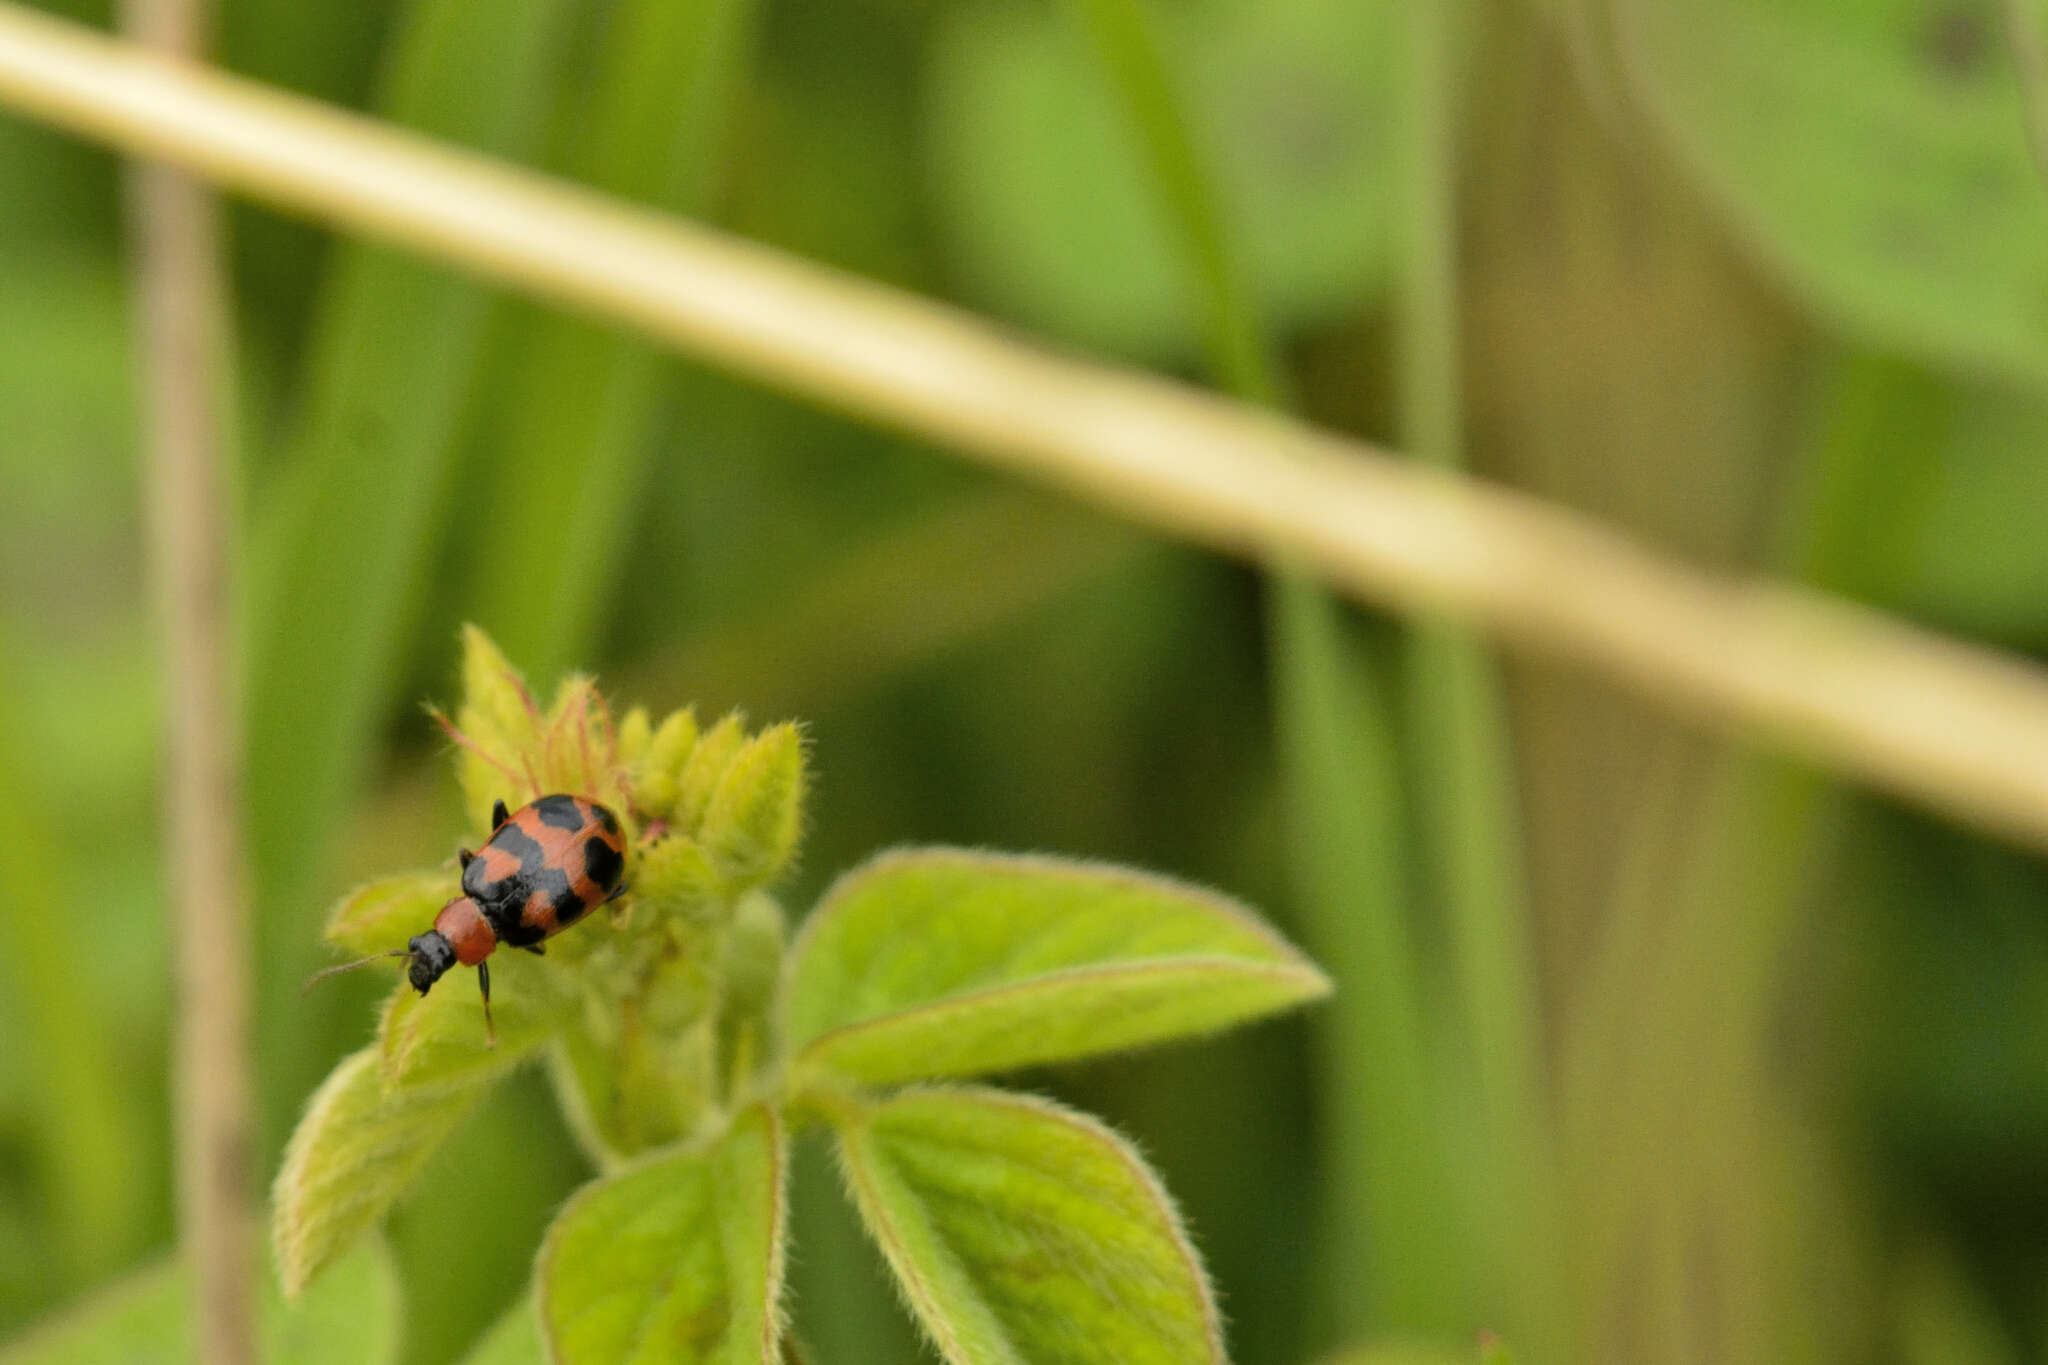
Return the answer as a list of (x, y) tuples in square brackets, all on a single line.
[(545, 866)]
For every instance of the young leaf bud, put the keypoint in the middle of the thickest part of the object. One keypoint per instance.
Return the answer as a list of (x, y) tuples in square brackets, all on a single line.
[(751, 826)]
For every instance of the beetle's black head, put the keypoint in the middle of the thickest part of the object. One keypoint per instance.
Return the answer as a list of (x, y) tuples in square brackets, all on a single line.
[(432, 954)]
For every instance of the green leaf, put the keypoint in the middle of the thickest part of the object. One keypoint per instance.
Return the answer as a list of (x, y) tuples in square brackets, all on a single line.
[(1973, 564), (1044, 189), (945, 962), (440, 1037), (677, 1259), (627, 1087), (1875, 152), (383, 914), (353, 1318), (513, 1340), (499, 725), (1021, 1232), (357, 1149)]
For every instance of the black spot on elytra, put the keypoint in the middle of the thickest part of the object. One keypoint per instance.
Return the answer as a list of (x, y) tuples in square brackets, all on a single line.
[(605, 818), (563, 812), (476, 882), (517, 932), (602, 863), (569, 908)]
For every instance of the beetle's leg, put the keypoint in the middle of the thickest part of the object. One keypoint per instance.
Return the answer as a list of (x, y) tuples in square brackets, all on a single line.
[(465, 857), (499, 815), (536, 949), (483, 980)]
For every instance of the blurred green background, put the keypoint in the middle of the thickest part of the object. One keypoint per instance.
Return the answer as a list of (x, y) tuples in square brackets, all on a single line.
[(1765, 281)]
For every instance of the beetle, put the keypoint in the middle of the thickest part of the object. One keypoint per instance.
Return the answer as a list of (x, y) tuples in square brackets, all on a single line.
[(545, 866)]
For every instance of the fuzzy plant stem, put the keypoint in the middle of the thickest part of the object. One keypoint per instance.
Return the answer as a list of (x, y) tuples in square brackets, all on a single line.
[(1951, 726), (176, 237)]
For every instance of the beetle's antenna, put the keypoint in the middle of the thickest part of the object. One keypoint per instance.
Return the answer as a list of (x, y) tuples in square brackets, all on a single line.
[(351, 966)]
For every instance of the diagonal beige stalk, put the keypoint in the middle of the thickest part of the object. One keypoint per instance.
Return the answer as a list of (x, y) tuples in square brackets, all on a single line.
[(1958, 728), (176, 238)]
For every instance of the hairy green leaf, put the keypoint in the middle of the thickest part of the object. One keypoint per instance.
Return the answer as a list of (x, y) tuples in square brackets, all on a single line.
[(440, 1037), (675, 1260), (499, 723), (381, 915), (627, 1089), (353, 1318), (1021, 1232), (1876, 153), (357, 1149), (944, 962)]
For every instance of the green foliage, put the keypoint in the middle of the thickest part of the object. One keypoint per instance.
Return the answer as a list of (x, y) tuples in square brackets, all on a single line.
[(568, 439), (677, 1258), (1877, 152), (664, 1031), (379, 914), (946, 962), (1045, 190), (1022, 1232), (356, 1151), (352, 1318), (428, 1041)]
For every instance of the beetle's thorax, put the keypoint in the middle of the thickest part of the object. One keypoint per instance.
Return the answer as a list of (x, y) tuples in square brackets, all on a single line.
[(462, 923)]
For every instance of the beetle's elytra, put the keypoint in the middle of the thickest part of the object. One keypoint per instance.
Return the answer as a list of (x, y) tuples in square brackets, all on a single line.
[(545, 866)]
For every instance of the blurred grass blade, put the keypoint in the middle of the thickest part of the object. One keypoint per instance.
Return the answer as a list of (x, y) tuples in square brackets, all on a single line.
[(899, 598), (1393, 1253), (1665, 1058), (568, 443), (91, 1147), (1341, 794), (1959, 729), (1239, 352), (1464, 779), (343, 547)]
